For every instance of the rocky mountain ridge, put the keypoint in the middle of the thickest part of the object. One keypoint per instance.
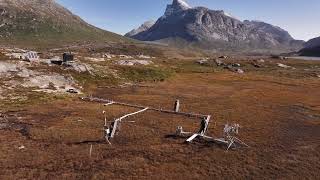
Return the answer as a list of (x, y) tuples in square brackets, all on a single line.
[(215, 29)]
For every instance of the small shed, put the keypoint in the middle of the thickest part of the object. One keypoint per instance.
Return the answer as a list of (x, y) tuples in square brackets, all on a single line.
[(68, 57)]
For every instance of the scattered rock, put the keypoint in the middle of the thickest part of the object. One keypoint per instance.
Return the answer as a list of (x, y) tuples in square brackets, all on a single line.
[(223, 57), (79, 67), (236, 70), (283, 66), (94, 59), (261, 61), (21, 147), (25, 73), (144, 57), (7, 67), (4, 126), (12, 69), (133, 62), (50, 83), (125, 56), (108, 56)]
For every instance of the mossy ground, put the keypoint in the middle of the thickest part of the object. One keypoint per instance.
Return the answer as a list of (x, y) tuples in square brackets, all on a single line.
[(278, 110)]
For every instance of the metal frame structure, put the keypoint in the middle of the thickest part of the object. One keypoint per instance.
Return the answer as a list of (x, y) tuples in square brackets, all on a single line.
[(230, 131), (229, 139), (110, 102)]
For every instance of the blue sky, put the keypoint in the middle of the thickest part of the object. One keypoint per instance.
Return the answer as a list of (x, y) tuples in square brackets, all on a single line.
[(299, 17)]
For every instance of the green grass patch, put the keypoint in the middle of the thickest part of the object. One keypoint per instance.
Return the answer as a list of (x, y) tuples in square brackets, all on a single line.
[(193, 67), (144, 73), (88, 81), (23, 97)]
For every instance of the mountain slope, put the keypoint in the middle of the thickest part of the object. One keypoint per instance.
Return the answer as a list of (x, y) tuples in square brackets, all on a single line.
[(211, 29), (311, 48), (145, 26), (45, 22)]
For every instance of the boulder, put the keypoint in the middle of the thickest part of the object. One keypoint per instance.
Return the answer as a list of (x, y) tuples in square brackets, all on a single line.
[(283, 66), (236, 65), (202, 61), (219, 62), (240, 71)]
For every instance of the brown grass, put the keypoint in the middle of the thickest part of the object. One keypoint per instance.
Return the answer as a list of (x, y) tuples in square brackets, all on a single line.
[(279, 115)]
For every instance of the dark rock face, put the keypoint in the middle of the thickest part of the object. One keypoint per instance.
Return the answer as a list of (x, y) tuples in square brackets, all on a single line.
[(315, 42), (216, 29), (311, 48)]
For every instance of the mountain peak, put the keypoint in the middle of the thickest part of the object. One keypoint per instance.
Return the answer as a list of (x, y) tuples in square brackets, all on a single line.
[(181, 4), (215, 29), (176, 6)]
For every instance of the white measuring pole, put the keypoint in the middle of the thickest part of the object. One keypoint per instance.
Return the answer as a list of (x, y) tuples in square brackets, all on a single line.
[(90, 151), (131, 114), (105, 118), (177, 106), (192, 137), (110, 103), (123, 117)]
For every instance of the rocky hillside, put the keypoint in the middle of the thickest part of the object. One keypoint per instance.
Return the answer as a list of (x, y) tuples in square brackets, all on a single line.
[(311, 48), (315, 42), (39, 22), (210, 29)]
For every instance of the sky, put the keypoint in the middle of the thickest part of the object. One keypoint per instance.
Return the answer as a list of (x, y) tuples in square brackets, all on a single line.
[(299, 17)]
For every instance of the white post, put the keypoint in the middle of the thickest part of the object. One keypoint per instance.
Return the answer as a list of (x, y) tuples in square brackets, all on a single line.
[(90, 152), (177, 106), (117, 121), (105, 118)]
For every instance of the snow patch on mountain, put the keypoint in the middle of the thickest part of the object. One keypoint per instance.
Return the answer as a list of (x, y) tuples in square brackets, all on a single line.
[(229, 15), (184, 4), (176, 6), (144, 27)]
